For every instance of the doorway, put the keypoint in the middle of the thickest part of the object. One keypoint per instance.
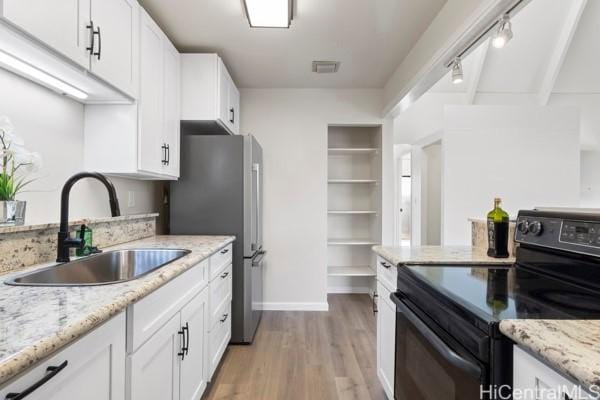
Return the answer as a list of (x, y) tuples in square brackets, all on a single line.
[(403, 198)]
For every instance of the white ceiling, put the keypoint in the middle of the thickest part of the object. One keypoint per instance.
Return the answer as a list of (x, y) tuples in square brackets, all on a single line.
[(514, 74), (369, 37)]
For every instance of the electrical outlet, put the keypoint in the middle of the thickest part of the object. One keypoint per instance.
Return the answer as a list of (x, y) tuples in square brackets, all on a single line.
[(130, 198)]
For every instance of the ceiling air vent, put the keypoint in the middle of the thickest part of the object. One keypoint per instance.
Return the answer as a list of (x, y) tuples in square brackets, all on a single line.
[(325, 67)]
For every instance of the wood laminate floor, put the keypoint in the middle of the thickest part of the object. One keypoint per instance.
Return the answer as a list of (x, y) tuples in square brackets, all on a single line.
[(306, 355)]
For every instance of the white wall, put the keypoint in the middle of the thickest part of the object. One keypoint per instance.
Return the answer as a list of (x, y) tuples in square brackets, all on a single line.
[(53, 126), (291, 125), (590, 179), (433, 198), (529, 156)]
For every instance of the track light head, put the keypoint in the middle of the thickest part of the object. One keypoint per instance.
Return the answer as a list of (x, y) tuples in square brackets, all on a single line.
[(504, 33), (457, 71)]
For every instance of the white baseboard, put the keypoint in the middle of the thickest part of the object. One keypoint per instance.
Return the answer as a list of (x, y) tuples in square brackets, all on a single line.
[(350, 290), (294, 306)]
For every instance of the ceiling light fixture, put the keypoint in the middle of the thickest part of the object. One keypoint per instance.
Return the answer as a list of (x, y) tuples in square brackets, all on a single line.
[(29, 71), (504, 33), (269, 13), (457, 71)]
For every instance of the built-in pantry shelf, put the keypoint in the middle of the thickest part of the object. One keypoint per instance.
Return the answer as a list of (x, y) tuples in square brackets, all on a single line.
[(352, 181), (353, 207), (352, 212), (351, 242), (350, 151), (351, 271)]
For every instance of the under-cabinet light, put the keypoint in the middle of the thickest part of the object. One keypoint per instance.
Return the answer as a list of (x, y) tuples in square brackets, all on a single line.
[(22, 68), (269, 13)]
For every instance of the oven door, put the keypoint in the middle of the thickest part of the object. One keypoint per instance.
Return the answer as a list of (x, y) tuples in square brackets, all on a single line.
[(430, 365)]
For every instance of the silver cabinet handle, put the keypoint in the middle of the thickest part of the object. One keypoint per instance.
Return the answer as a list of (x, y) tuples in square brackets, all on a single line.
[(224, 318), (224, 275)]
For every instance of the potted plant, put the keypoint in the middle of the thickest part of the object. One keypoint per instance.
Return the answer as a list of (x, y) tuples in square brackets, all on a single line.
[(16, 165)]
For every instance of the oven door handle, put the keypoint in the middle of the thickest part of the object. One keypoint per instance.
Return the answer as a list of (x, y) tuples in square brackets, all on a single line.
[(468, 367)]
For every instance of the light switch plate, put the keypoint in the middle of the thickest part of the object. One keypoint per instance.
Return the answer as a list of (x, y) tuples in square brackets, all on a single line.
[(130, 198)]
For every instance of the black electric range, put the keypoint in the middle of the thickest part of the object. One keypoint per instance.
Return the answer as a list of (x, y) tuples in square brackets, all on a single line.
[(447, 320)]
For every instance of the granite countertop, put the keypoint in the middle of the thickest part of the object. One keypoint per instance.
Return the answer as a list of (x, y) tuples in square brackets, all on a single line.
[(420, 255), (37, 321), (570, 347)]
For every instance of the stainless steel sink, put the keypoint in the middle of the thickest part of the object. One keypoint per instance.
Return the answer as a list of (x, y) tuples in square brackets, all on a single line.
[(101, 269)]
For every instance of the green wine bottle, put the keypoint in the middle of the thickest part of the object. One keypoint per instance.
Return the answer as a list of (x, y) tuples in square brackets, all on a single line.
[(497, 227)]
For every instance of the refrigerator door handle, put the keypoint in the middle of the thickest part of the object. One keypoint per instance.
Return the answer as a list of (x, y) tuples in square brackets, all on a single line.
[(256, 243), (258, 259)]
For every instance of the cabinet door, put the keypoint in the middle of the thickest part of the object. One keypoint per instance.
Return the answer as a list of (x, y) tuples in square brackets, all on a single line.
[(60, 24), (532, 376), (194, 368), (92, 368), (151, 143), (154, 367), (115, 57), (386, 340), (234, 106), (171, 101), (224, 82)]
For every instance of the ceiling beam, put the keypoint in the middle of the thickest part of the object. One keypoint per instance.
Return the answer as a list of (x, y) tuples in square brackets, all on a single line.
[(560, 51), (478, 66)]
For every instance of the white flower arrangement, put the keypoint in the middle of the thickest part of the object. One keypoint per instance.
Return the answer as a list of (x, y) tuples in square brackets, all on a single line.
[(16, 162)]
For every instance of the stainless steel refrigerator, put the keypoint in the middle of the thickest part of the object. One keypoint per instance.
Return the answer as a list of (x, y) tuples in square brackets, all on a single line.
[(220, 193)]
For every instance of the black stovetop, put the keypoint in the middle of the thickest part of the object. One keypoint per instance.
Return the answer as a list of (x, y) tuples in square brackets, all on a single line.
[(492, 294)]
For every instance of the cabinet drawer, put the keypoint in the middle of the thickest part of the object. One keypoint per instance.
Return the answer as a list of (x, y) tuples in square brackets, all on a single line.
[(387, 274), (218, 339), (146, 316), (220, 295), (220, 260), (94, 365)]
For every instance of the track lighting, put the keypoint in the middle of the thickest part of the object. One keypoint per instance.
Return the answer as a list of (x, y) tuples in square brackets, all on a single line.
[(457, 71), (504, 33)]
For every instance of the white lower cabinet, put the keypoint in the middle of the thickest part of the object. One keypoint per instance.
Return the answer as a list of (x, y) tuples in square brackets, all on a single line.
[(534, 380), (386, 325), (172, 364), (154, 368), (169, 359), (193, 373), (221, 290), (386, 340), (92, 368)]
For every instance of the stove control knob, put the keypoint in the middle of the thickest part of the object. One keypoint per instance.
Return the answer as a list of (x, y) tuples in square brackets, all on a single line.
[(523, 227), (536, 228)]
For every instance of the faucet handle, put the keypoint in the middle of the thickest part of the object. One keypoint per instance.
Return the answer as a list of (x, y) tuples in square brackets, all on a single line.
[(82, 230)]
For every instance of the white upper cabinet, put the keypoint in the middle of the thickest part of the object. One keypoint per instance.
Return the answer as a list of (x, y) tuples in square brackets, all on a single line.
[(171, 107), (115, 40), (101, 36), (140, 140), (152, 153), (209, 97), (60, 24)]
